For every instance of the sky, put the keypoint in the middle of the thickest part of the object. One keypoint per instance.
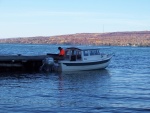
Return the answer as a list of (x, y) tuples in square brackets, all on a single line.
[(27, 18)]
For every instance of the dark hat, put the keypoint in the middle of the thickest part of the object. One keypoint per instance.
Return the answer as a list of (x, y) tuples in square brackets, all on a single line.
[(59, 48)]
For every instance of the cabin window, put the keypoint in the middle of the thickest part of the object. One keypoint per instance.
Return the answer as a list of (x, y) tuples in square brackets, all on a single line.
[(94, 52), (97, 52), (79, 55), (73, 55), (67, 54), (85, 53)]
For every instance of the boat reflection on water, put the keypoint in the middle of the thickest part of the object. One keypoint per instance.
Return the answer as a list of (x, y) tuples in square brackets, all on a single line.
[(65, 89), (80, 74), (71, 80)]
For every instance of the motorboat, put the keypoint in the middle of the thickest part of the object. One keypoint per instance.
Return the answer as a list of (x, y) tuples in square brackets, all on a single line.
[(80, 59)]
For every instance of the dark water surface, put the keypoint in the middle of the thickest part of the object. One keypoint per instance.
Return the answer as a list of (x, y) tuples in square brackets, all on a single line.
[(122, 87)]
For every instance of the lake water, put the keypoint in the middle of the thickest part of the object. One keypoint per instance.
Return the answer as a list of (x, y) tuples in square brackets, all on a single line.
[(124, 86)]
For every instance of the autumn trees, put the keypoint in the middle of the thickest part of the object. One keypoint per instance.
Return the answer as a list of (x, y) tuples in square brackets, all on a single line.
[(141, 38)]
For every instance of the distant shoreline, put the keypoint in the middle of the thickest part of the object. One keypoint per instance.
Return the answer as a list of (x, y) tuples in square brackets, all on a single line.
[(136, 38)]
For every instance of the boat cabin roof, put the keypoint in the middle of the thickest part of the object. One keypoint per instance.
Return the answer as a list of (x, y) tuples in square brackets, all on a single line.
[(75, 53), (82, 49)]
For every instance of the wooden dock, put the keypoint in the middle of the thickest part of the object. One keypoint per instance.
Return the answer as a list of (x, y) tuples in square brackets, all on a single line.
[(21, 63)]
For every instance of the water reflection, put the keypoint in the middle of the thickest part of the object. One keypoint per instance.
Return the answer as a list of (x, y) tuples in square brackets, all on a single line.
[(103, 72), (75, 76), (82, 78), (83, 75), (83, 88)]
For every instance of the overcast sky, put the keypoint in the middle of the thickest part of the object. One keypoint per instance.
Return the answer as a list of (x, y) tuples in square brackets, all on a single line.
[(25, 18)]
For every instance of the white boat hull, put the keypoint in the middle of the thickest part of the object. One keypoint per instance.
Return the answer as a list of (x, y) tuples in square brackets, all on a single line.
[(81, 66)]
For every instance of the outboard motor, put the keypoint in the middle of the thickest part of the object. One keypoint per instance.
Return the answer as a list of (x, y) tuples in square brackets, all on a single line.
[(49, 61), (48, 65)]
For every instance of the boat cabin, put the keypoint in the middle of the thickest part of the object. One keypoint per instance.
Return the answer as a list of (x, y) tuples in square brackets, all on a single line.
[(77, 54)]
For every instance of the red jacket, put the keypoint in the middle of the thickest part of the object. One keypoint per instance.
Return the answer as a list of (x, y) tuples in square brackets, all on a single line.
[(62, 52)]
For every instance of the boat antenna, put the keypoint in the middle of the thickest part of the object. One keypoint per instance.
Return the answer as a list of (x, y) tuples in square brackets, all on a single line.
[(103, 28)]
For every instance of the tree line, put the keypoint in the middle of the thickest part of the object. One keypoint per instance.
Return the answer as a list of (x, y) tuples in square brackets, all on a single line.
[(140, 38)]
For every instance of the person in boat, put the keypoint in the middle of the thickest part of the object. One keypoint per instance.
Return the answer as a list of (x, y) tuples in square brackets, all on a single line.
[(61, 51), (61, 54)]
